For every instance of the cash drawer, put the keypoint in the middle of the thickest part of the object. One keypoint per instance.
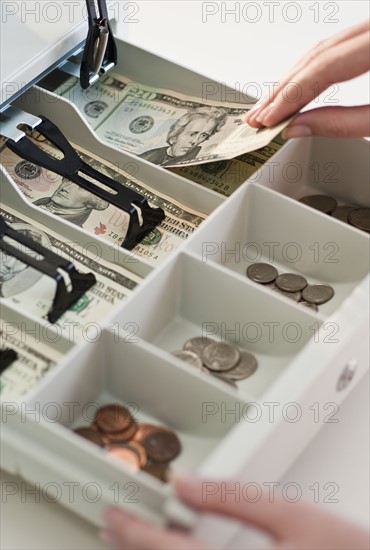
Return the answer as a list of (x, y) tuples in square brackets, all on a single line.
[(303, 356)]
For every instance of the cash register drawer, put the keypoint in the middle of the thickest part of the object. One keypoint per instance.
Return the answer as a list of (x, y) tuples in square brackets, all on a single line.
[(304, 356)]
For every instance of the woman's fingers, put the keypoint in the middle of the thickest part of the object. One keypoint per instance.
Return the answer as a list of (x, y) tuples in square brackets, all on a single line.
[(123, 530), (333, 66), (228, 499), (332, 122), (306, 60)]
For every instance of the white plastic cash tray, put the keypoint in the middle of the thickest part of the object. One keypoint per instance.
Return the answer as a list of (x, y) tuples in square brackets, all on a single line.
[(309, 357)]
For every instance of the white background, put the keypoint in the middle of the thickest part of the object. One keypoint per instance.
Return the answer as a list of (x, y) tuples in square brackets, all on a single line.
[(233, 49)]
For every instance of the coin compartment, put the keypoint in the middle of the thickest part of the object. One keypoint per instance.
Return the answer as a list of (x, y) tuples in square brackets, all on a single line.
[(321, 165), (185, 305), (117, 370), (259, 225)]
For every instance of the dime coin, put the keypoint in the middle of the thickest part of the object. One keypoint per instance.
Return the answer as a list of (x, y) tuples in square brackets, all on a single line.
[(160, 471), (295, 296), (262, 273), (197, 344), (127, 454), (342, 212), (190, 357), (113, 418), (324, 203), (91, 434), (360, 218), (317, 294), (220, 356), (162, 445), (120, 437), (289, 282), (308, 304), (245, 368)]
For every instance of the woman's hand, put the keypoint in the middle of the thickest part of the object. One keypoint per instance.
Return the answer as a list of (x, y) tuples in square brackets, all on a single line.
[(337, 59), (295, 526)]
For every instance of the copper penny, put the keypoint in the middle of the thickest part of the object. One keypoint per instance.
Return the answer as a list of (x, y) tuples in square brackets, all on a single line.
[(91, 434), (162, 445), (144, 430), (160, 471), (127, 454), (113, 418), (121, 437)]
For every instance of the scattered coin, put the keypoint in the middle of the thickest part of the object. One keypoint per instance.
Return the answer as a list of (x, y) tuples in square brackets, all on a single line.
[(290, 282), (115, 429), (162, 445), (360, 218), (197, 344), (262, 273), (323, 203), (121, 437), (295, 296), (91, 434), (308, 304), (317, 294), (127, 454), (159, 470), (245, 368), (113, 418), (220, 356), (189, 356), (342, 212)]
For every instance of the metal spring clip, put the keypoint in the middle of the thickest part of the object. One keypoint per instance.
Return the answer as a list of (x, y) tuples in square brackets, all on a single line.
[(48, 263), (71, 166), (100, 53)]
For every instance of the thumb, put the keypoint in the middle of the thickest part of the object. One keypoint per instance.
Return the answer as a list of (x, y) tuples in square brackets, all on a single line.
[(346, 122)]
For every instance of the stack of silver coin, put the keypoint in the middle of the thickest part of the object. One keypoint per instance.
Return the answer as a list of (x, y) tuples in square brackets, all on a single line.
[(221, 359), (353, 215), (290, 285)]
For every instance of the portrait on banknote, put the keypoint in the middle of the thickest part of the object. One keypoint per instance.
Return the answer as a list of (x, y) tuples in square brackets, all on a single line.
[(16, 276), (71, 202), (186, 135)]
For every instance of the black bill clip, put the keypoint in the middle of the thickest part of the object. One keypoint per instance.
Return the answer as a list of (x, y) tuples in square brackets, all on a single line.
[(100, 53), (71, 166), (7, 357), (48, 263)]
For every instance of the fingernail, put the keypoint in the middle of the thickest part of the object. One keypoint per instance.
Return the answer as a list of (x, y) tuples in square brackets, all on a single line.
[(296, 132), (264, 113)]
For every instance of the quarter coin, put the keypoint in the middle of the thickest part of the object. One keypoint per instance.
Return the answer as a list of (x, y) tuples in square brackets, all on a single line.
[(295, 296), (245, 368), (360, 218), (220, 356), (342, 212), (262, 273), (323, 203), (317, 294), (190, 357), (197, 344), (290, 282), (308, 304)]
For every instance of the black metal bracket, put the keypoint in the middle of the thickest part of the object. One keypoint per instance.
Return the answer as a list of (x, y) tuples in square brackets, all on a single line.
[(48, 263), (100, 53), (71, 165), (7, 357)]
